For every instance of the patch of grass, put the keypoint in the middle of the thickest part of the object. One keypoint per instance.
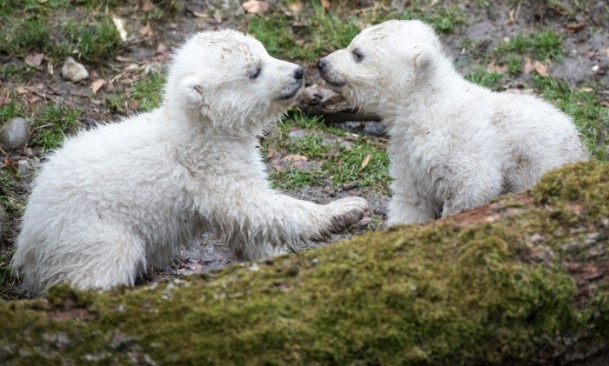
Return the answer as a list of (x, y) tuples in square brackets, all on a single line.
[(149, 91), (93, 42), (33, 26), (514, 65), (348, 165), (275, 32), (12, 204), (52, 123), (591, 117), (143, 96), (117, 103), (540, 46), (16, 73), (6, 276), (295, 179), (25, 35), (547, 45), (485, 78), (330, 32), (11, 109), (342, 158), (324, 31), (443, 19)]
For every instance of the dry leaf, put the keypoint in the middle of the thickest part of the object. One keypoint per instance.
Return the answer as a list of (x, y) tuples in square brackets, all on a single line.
[(365, 162), (33, 98), (528, 66), (295, 7), (34, 59), (512, 15), (147, 31), (22, 90), (295, 158), (146, 5), (120, 27), (541, 69), (255, 7), (97, 84), (271, 154), (575, 27), (162, 52), (124, 59), (605, 103), (4, 100), (492, 67), (325, 4), (200, 15)]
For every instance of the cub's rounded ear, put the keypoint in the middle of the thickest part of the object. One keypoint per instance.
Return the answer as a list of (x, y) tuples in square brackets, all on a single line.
[(191, 88), (423, 56)]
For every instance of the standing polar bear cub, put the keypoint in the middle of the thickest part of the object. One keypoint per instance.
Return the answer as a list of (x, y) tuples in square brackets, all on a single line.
[(121, 198), (454, 145)]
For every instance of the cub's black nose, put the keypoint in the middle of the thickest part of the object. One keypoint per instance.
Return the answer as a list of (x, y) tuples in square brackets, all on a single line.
[(321, 64), (299, 73)]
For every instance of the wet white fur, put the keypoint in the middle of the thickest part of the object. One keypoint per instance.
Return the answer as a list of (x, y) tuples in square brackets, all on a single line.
[(454, 145), (123, 197)]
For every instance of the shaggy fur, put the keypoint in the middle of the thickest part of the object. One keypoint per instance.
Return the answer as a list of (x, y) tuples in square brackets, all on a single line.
[(123, 197), (454, 145)]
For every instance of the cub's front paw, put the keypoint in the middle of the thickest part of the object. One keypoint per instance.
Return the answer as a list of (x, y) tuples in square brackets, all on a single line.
[(346, 212)]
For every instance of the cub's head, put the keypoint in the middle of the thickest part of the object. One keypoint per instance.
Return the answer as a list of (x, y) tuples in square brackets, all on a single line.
[(229, 78), (383, 63)]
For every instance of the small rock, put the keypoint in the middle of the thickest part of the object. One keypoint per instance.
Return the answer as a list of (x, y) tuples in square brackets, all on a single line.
[(297, 135), (14, 133), (74, 71), (23, 167)]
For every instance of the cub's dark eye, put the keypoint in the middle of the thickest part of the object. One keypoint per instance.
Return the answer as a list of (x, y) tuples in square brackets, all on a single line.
[(357, 55), (254, 72)]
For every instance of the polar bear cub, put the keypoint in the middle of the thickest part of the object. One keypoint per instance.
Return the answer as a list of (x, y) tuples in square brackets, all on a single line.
[(123, 197), (453, 145)]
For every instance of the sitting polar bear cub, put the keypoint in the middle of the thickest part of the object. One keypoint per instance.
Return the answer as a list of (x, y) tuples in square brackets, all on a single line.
[(454, 145), (121, 198)]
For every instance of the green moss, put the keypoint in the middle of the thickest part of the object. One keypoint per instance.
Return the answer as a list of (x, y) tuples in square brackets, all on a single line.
[(445, 293), (585, 107), (562, 185)]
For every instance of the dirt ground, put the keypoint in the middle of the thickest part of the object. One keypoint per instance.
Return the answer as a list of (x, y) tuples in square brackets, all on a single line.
[(584, 64)]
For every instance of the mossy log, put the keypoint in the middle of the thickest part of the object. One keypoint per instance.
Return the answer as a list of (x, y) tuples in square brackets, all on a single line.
[(521, 281)]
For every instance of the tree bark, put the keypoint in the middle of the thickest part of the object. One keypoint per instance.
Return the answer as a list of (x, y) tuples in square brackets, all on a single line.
[(523, 280)]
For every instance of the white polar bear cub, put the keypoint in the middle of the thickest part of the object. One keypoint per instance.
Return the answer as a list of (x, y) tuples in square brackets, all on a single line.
[(121, 198), (453, 145)]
